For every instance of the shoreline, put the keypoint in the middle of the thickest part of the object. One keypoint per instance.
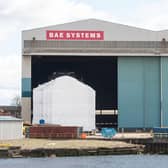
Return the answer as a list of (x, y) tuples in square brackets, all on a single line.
[(122, 144), (16, 152), (58, 148)]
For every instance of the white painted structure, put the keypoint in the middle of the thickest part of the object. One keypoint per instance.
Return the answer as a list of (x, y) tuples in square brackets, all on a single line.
[(10, 128), (65, 101)]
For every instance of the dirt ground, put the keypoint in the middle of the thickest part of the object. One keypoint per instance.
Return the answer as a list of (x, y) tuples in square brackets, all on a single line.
[(91, 142), (79, 144)]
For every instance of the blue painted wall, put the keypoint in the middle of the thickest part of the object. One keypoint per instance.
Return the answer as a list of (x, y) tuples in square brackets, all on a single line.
[(129, 93), (26, 87), (164, 84), (152, 91), (138, 92)]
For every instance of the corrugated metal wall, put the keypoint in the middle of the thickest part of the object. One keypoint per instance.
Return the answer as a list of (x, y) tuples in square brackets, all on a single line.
[(164, 89), (139, 92), (11, 130)]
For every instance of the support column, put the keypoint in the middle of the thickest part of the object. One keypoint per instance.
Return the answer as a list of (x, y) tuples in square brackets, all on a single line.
[(26, 88)]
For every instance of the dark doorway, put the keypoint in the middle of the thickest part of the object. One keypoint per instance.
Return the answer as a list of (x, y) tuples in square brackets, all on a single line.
[(100, 72)]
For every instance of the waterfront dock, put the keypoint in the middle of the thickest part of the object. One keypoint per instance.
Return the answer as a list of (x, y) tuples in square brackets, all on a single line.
[(47, 148), (120, 144)]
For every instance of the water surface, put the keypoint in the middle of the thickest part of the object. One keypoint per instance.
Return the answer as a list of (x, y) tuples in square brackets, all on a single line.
[(124, 161)]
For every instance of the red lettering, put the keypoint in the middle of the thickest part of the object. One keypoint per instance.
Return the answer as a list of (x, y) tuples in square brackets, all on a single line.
[(61, 35), (74, 35), (86, 35), (82, 35), (68, 35), (92, 35), (78, 35), (51, 34), (98, 35)]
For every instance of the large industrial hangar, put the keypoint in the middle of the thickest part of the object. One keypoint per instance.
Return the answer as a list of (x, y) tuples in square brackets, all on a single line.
[(127, 66)]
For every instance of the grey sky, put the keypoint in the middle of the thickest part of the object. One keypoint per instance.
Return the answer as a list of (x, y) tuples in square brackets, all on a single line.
[(17, 15)]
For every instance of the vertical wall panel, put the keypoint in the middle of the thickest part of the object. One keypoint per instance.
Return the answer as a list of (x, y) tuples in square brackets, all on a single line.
[(26, 109), (130, 92), (26, 67), (26, 87), (164, 89), (138, 92), (11, 129), (151, 91)]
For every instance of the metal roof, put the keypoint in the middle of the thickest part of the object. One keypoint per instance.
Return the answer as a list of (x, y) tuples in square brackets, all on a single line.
[(112, 31), (119, 40), (9, 118)]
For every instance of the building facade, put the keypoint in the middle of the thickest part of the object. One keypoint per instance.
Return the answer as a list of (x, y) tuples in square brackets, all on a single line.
[(127, 66)]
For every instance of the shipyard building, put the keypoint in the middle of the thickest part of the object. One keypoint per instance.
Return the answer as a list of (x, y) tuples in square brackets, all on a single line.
[(126, 66)]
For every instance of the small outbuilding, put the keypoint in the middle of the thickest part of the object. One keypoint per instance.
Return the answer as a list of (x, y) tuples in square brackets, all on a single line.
[(10, 128)]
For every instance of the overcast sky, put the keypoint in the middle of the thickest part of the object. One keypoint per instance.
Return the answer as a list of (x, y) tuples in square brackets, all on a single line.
[(18, 15)]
